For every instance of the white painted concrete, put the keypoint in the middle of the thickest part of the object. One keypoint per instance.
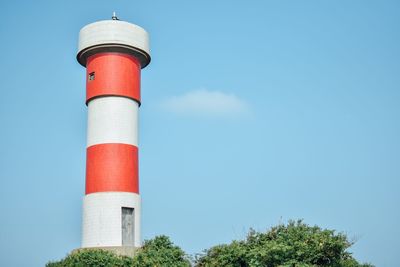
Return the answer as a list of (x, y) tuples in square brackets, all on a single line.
[(117, 32), (112, 119), (102, 218)]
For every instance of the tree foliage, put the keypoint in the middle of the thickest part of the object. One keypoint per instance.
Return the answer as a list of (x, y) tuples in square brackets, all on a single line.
[(92, 258), (156, 252), (159, 252), (294, 244)]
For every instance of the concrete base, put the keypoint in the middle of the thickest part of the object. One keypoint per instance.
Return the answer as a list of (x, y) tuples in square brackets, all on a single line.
[(121, 251)]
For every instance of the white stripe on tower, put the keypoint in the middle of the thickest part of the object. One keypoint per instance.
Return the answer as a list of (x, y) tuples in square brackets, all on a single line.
[(112, 120), (113, 53), (102, 218)]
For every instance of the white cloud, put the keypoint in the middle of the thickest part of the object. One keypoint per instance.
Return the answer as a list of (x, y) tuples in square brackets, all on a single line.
[(207, 103)]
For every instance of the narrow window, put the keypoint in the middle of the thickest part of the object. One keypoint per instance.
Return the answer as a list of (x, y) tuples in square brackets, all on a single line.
[(91, 76), (127, 221)]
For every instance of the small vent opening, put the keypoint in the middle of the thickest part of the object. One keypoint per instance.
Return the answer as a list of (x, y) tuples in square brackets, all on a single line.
[(91, 76)]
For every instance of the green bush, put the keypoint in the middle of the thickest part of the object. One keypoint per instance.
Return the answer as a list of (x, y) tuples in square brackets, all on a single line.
[(92, 258), (294, 244), (159, 251)]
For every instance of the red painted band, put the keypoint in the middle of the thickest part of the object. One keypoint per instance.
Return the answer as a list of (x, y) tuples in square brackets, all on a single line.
[(112, 167), (112, 74)]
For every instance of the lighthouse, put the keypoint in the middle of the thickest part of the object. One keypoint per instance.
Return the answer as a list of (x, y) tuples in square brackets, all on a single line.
[(113, 53)]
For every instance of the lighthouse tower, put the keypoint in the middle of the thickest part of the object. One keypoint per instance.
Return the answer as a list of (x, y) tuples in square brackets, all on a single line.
[(113, 52)]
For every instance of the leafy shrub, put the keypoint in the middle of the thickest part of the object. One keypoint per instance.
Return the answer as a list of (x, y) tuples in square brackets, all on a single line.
[(159, 252), (294, 244), (92, 258), (156, 252)]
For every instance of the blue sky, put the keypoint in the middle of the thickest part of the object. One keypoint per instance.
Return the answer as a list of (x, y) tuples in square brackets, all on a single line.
[(253, 113)]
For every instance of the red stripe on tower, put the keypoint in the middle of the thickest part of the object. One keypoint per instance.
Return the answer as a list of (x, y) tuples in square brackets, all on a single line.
[(113, 74), (112, 167)]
